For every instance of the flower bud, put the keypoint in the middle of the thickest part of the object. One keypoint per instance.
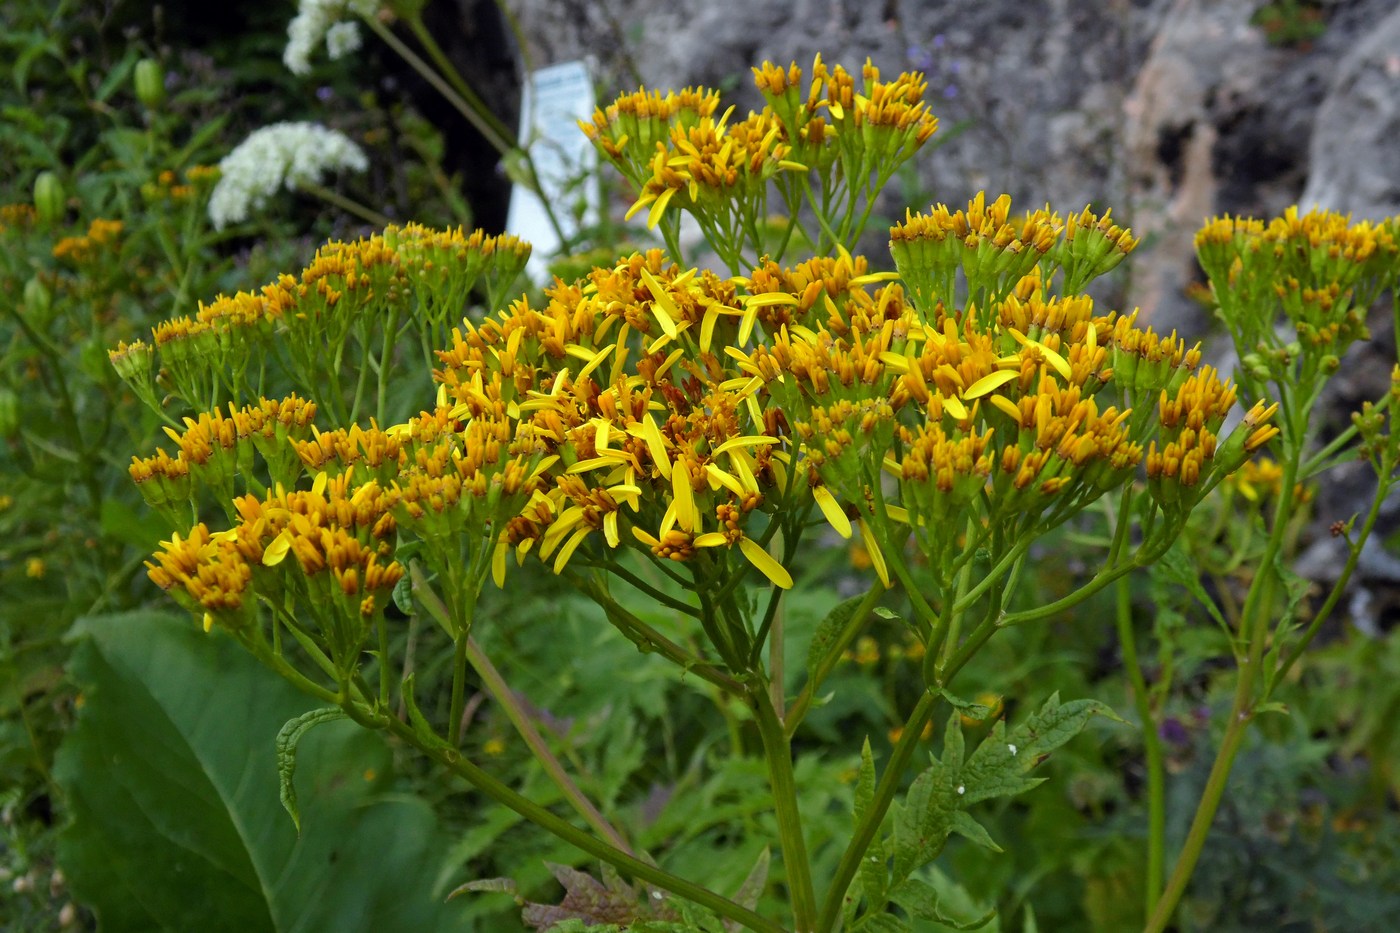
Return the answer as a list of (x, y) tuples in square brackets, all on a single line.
[(37, 299), (150, 83), (50, 200)]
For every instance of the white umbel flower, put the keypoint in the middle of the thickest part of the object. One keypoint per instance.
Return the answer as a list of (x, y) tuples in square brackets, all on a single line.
[(281, 155), (324, 20)]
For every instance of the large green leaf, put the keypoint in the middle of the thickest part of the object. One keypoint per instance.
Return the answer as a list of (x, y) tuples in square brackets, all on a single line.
[(175, 817)]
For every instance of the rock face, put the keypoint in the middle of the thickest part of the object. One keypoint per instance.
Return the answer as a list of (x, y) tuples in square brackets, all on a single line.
[(1168, 111), (1354, 156)]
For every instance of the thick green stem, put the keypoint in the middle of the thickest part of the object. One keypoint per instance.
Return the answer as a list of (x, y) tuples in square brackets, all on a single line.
[(778, 755), (869, 824), (1152, 750)]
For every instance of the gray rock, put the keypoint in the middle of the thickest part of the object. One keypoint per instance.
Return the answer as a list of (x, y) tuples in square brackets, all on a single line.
[(1355, 158)]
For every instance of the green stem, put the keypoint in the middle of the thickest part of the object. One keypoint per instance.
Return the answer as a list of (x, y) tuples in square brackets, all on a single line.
[(639, 633), (828, 663), (1152, 749), (496, 686), (346, 204), (778, 754), (1254, 626), (870, 823), (498, 142), (1278, 675), (504, 795)]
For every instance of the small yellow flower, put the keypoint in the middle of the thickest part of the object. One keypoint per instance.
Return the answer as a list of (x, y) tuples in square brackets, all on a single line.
[(34, 568)]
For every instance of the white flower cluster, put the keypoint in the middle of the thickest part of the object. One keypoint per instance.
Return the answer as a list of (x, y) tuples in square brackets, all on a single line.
[(321, 20), (290, 154)]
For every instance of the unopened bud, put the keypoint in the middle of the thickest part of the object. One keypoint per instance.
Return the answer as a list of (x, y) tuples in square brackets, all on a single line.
[(150, 83), (50, 200), (37, 299)]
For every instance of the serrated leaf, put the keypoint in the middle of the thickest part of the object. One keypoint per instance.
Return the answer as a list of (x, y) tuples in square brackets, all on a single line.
[(921, 829), (999, 766), (922, 901), (964, 825), (969, 708), (953, 745), (287, 738), (884, 923), (828, 633), (872, 876), (484, 886), (1177, 567)]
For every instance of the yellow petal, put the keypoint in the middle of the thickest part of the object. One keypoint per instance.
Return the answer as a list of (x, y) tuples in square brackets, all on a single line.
[(277, 551), (954, 407), (662, 306), (832, 510), (710, 539), (749, 441), (656, 445), (610, 529), (1007, 406), (498, 563), (990, 382), (569, 547), (877, 559), (658, 207), (640, 203), (208, 622), (686, 515), (766, 563), (720, 478), (769, 298)]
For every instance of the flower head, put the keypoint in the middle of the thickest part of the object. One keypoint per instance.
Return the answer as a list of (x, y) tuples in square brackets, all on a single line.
[(281, 155)]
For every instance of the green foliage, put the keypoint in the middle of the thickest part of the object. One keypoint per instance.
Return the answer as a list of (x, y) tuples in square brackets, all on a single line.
[(171, 780)]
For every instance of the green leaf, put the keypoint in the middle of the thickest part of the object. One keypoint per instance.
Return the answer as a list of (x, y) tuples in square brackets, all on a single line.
[(485, 886), (922, 901), (884, 923), (828, 633), (999, 766), (921, 829), (170, 776), (953, 745), (970, 708), (964, 825), (872, 875), (286, 744), (1176, 566)]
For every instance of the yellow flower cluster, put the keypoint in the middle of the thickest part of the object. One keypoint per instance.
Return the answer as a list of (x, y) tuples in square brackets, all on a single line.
[(303, 323), (81, 249), (833, 145), (198, 181), (995, 250), (1320, 269), (690, 418), (17, 217)]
